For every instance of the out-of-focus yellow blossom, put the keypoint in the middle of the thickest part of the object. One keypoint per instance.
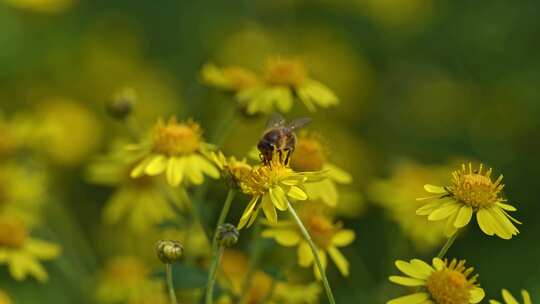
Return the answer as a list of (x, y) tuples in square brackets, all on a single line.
[(21, 253), (310, 155), (18, 132), (126, 279), (443, 282), (42, 6), (177, 149), (22, 192), (232, 78), (140, 201), (232, 170), (327, 236), (5, 298), (234, 268), (157, 298), (509, 299), (471, 191), (283, 80), (397, 14), (69, 131), (397, 195), (270, 186)]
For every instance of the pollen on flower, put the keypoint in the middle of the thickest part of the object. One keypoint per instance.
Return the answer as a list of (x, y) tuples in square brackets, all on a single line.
[(309, 154), (263, 177), (13, 233), (450, 284), (475, 188), (174, 138), (286, 72)]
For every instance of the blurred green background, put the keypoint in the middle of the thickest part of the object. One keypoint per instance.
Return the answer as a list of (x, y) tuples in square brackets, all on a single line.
[(420, 81)]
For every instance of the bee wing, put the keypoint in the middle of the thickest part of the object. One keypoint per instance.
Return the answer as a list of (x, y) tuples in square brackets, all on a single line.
[(275, 120), (299, 123)]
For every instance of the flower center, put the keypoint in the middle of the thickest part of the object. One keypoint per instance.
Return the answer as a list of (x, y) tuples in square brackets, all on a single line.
[(13, 233), (127, 270), (475, 190), (263, 177), (285, 72), (449, 287), (240, 78), (321, 230), (308, 155), (175, 138)]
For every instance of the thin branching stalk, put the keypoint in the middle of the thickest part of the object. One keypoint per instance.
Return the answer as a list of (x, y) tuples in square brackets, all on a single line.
[(170, 285), (217, 249), (318, 263)]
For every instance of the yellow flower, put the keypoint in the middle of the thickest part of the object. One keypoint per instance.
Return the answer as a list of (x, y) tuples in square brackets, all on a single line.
[(509, 299), (444, 282), (234, 268), (178, 150), (397, 195), (232, 170), (5, 298), (270, 186), (22, 192), (284, 79), (231, 78), (472, 191), (127, 279), (310, 155), (327, 236), (22, 253), (140, 202)]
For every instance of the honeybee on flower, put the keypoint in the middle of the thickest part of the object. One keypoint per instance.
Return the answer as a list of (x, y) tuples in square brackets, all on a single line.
[(178, 150), (472, 191)]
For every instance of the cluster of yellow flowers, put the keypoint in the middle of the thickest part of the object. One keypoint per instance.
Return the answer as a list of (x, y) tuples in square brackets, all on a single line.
[(472, 191)]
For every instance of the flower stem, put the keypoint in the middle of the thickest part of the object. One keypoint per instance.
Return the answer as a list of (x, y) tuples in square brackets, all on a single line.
[(217, 249), (255, 253), (212, 275), (170, 285), (447, 245), (315, 253)]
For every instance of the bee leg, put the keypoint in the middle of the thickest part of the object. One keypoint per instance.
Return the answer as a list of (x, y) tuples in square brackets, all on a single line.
[(280, 153), (288, 157)]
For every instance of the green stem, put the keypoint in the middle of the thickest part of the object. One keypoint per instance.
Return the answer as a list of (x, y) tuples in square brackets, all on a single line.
[(170, 285), (447, 245), (212, 275), (253, 260), (315, 253), (217, 249)]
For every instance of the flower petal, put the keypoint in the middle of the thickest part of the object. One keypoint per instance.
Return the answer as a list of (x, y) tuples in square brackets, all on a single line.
[(415, 298), (435, 189), (476, 295), (305, 257), (412, 271), (407, 281), (247, 212), (283, 237), (343, 237), (444, 211), (156, 165), (297, 193), (464, 216), (277, 195), (340, 261), (508, 298), (269, 209)]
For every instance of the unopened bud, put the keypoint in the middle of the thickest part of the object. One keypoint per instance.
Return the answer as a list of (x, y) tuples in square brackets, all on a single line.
[(227, 235), (121, 104), (169, 251)]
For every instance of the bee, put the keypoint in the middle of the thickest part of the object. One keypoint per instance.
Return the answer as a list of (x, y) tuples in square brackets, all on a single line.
[(279, 137)]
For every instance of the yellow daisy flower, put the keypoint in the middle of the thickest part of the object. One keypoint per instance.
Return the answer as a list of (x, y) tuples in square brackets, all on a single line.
[(397, 195), (139, 202), (22, 253), (22, 192), (509, 299), (284, 79), (126, 279), (443, 282), (232, 78), (310, 155), (472, 191), (232, 170), (327, 236), (270, 186), (178, 151), (5, 298), (235, 266)]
